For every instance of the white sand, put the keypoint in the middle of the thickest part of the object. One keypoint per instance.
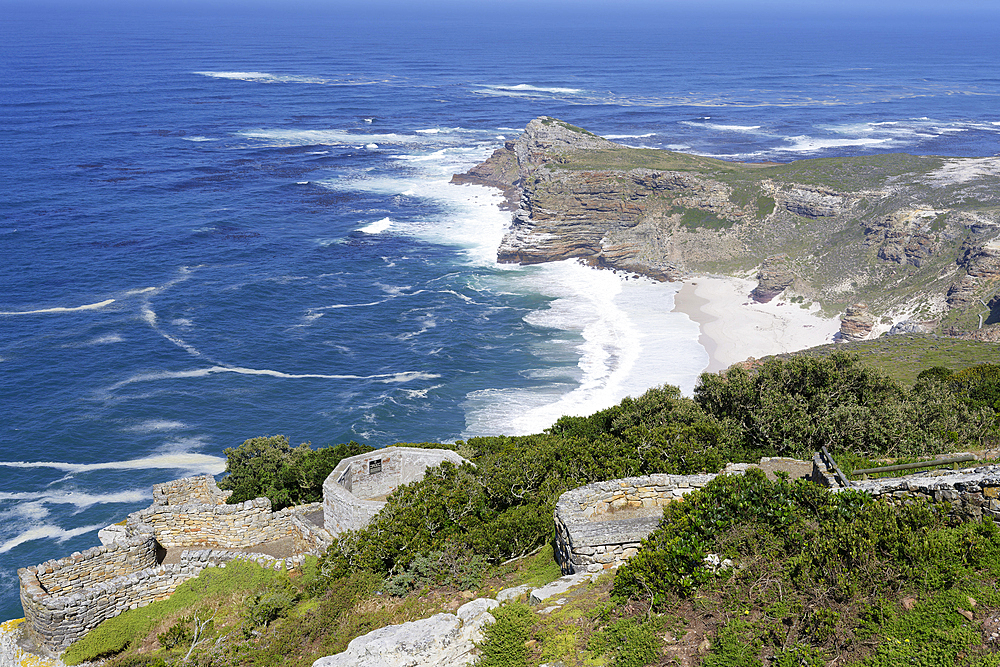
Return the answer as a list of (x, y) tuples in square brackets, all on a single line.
[(734, 328)]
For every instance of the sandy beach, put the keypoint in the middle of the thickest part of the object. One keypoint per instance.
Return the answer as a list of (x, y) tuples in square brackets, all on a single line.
[(734, 328)]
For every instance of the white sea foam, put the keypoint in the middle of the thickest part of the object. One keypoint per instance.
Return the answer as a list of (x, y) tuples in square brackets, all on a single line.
[(78, 499), (157, 425), (807, 144), (263, 77), (620, 322), (722, 127), (198, 139), (277, 137), (60, 309), (629, 136), (473, 219), (527, 90), (106, 339), (335, 306), (405, 376), (46, 531), (200, 463), (376, 227)]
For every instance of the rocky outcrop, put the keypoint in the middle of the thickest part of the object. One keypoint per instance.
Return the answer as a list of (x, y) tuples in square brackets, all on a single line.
[(813, 202), (773, 278), (857, 323), (907, 236), (849, 230), (543, 141), (443, 640), (908, 327)]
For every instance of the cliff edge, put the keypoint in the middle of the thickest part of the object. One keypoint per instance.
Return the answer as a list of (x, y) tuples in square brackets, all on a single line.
[(916, 238)]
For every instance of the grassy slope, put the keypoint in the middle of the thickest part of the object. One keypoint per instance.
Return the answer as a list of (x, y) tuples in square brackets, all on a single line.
[(903, 357)]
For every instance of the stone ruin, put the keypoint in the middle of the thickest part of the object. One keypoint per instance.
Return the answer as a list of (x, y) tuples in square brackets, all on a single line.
[(188, 528), (600, 526), (357, 488)]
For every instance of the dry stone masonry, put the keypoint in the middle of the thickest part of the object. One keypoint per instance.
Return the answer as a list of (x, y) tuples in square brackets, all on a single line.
[(66, 598), (973, 493), (356, 489), (601, 525)]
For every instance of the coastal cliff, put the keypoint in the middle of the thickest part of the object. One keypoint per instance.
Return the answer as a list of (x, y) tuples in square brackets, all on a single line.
[(915, 238)]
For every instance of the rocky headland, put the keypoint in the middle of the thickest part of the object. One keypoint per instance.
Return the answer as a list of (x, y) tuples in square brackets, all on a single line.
[(916, 239)]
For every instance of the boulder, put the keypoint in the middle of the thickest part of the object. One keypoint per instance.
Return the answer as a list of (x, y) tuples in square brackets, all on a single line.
[(857, 323), (772, 279), (443, 640)]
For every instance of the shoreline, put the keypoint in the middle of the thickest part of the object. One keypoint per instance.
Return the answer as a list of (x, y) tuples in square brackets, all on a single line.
[(734, 328)]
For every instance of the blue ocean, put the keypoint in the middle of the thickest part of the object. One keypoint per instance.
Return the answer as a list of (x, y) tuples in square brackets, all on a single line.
[(219, 222)]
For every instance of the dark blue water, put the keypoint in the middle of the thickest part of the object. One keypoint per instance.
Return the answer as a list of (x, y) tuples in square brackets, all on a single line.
[(223, 223)]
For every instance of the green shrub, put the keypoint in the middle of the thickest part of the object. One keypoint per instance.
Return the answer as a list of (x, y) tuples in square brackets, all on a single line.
[(795, 406), (504, 641), (268, 605), (268, 467), (452, 567), (177, 634), (630, 642)]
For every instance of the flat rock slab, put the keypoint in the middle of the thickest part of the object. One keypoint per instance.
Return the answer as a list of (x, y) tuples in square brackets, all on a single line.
[(443, 640), (513, 593), (559, 586)]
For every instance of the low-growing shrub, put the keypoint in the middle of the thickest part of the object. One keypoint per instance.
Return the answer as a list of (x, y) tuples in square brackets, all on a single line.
[(504, 641)]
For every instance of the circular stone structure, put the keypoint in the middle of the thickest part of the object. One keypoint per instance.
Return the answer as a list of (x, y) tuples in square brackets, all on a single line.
[(357, 488), (601, 525)]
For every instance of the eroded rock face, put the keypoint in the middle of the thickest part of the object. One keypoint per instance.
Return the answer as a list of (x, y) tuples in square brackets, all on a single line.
[(849, 229), (813, 202), (857, 323), (907, 236), (443, 640), (772, 279)]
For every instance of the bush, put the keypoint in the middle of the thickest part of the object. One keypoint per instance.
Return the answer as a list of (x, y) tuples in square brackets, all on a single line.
[(631, 642), (452, 567), (268, 467), (268, 605), (795, 406), (504, 641)]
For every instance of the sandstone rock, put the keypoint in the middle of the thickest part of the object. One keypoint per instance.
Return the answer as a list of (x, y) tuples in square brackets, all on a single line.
[(772, 279), (513, 593), (908, 327), (813, 202), (857, 323), (559, 586), (443, 640)]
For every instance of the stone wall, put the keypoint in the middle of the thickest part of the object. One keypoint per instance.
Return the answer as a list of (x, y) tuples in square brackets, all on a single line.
[(201, 489), (356, 489), (601, 525), (56, 619), (973, 493), (228, 526), (66, 598)]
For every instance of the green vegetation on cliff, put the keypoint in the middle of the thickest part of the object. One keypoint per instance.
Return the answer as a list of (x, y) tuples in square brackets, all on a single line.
[(819, 578)]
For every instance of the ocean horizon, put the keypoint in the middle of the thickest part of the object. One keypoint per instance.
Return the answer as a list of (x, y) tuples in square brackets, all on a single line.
[(222, 222)]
